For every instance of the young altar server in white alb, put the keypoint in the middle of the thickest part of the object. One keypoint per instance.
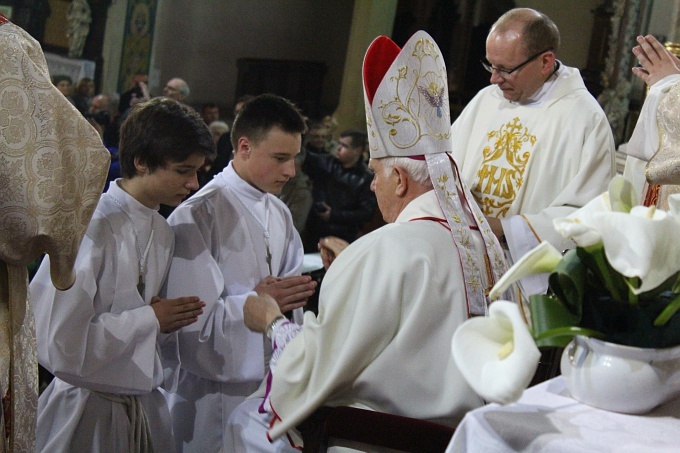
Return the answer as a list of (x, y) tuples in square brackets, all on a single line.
[(110, 341), (534, 145), (235, 239), (391, 300)]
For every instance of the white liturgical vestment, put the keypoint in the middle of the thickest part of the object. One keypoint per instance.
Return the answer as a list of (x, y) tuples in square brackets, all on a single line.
[(101, 335), (221, 257), (388, 307), (528, 164)]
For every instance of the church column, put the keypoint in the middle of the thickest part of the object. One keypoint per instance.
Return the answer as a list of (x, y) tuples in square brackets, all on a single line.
[(674, 32), (370, 19)]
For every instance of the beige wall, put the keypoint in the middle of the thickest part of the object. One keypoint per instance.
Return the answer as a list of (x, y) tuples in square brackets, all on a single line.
[(113, 42), (575, 21), (202, 43)]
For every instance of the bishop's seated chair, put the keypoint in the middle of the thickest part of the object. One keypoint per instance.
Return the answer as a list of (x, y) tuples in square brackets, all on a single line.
[(385, 430)]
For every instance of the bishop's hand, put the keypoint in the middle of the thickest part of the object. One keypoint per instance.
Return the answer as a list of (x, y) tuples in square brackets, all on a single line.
[(260, 311)]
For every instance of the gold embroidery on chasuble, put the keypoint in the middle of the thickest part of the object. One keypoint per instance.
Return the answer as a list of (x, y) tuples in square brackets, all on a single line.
[(501, 175)]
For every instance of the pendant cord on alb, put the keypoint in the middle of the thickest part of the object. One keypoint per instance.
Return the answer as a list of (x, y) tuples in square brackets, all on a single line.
[(143, 256), (264, 226)]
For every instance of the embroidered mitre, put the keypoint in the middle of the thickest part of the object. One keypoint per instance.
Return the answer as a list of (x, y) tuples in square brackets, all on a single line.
[(406, 98), (407, 115)]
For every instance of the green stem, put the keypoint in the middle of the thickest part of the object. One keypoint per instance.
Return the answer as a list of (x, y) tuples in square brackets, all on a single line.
[(609, 281), (569, 331), (668, 312), (632, 297)]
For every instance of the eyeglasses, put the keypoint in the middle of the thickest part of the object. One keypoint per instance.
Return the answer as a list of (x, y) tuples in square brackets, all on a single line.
[(507, 72)]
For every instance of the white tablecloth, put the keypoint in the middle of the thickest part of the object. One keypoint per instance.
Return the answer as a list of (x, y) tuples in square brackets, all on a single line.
[(547, 419), (311, 262)]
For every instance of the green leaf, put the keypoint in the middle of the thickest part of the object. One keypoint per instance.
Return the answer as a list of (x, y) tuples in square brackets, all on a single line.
[(595, 260), (549, 313), (568, 281), (561, 336)]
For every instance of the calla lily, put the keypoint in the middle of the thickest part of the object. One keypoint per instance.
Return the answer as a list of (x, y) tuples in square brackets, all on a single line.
[(496, 355), (619, 198), (674, 205), (577, 229), (622, 197), (637, 244), (542, 258)]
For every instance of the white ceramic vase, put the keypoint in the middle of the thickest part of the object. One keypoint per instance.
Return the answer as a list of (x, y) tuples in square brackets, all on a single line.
[(620, 378)]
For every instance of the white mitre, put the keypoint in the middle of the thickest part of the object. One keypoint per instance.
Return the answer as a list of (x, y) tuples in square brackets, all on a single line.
[(406, 98), (407, 115)]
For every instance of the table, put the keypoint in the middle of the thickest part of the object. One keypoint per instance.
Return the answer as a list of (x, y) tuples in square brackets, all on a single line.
[(547, 419), (311, 262), (312, 265)]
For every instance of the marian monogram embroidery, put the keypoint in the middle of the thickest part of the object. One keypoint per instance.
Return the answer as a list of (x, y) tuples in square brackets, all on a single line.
[(502, 172)]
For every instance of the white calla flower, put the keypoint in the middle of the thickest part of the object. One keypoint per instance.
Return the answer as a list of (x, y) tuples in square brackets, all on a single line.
[(542, 258), (674, 205), (496, 355), (639, 243), (622, 196), (575, 226)]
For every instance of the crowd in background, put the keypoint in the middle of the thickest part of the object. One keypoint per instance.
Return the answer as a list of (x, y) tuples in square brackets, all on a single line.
[(330, 193)]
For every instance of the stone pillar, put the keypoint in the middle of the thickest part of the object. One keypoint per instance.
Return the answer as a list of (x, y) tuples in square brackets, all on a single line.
[(371, 18), (674, 32)]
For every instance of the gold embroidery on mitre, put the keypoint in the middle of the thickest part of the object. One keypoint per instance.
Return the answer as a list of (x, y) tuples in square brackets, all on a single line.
[(502, 172), (420, 104)]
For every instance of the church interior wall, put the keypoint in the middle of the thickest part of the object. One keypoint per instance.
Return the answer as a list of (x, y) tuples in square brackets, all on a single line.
[(575, 22), (202, 43)]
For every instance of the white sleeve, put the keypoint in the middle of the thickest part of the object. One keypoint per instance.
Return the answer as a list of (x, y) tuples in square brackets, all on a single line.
[(596, 167), (644, 141), (87, 340), (282, 333)]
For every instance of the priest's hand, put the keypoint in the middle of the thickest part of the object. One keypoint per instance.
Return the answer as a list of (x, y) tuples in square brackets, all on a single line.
[(289, 292), (260, 311), (656, 62), (174, 314), (330, 247)]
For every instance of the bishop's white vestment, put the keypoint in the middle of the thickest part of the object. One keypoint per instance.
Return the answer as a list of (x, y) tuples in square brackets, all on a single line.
[(528, 164), (388, 307), (221, 257), (101, 336)]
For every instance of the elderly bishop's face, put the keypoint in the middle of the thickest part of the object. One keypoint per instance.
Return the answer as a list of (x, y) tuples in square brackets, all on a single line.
[(384, 186)]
